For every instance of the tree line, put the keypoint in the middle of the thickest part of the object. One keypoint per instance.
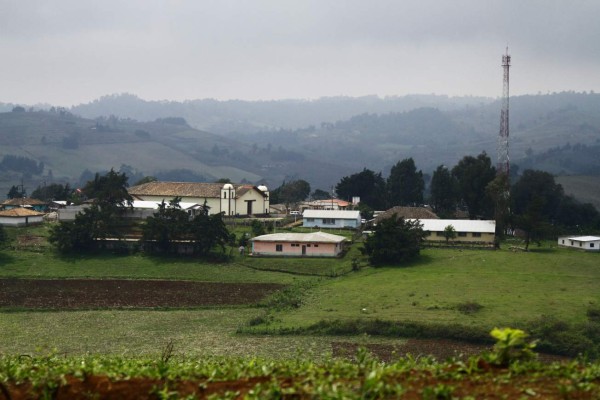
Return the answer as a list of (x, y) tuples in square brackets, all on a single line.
[(21, 164), (164, 231), (534, 203)]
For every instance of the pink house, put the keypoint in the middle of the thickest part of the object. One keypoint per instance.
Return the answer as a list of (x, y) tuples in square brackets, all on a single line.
[(314, 244)]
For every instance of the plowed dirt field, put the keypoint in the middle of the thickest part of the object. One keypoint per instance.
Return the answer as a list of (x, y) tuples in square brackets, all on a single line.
[(77, 294)]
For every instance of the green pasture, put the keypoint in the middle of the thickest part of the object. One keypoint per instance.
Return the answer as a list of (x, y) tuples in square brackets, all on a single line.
[(513, 288), (135, 333), (509, 289), (50, 265)]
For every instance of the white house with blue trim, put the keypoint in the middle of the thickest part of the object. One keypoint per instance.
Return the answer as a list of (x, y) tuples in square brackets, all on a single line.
[(330, 219)]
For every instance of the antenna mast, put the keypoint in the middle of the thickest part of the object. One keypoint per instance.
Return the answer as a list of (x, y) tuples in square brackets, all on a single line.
[(503, 166)]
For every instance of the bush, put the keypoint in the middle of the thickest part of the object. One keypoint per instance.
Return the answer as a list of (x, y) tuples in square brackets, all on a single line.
[(593, 314), (469, 307)]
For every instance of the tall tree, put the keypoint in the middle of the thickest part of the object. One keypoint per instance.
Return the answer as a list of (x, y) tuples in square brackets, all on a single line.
[(498, 191), (15, 193), (166, 226), (208, 231), (102, 219), (405, 184), (54, 191), (367, 185), (394, 241), (109, 190), (320, 194), (443, 192), (473, 174), (537, 186), (291, 192), (536, 200)]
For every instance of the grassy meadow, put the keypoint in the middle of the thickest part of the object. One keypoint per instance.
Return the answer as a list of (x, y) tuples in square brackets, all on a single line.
[(476, 289), (510, 288)]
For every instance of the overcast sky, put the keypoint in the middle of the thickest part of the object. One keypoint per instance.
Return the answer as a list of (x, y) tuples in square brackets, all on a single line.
[(73, 51)]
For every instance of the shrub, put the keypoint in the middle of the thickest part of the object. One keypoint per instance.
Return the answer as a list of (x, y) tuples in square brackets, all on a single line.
[(593, 314), (469, 307), (511, 346)]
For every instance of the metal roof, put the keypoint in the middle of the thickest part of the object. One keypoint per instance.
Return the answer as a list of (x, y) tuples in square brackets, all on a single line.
[(313, 237), (583, 238), (337, 214), (187, 189), (460, 225), (153, 205), (20, 212)]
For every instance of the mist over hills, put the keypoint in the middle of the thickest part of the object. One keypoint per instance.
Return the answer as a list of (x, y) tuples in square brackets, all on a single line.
[(251, 116), (319, 140)]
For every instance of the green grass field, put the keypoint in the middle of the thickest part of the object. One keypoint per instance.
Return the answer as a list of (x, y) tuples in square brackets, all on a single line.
[(134, 333), (512, 288)]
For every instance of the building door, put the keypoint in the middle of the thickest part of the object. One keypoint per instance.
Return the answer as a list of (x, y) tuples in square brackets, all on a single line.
[(303, 250), (249, 207)]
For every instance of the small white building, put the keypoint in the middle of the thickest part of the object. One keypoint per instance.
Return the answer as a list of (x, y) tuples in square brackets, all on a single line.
[(20, 216), (587, 243), (330, 219)]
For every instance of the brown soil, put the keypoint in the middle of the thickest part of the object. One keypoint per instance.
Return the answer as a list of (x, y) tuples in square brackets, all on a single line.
[(72, 294), (488, 384), (440, 349)]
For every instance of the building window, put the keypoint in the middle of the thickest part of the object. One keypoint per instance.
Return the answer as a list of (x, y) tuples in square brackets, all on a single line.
[(462, 234), (563, 241), (580, 243), (316, 245), (591, 244), (310, 220), (328, 221), (441, 234), (278, 247), (308, 245), (571, 243), (476, 234), (224, 195), (295, 245)]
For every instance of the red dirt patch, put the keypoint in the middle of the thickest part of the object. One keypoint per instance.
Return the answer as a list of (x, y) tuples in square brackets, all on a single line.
[(491, 384), (73, 294)]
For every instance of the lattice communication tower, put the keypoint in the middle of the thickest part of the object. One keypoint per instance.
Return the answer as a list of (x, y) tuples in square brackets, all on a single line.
[(503, 166)]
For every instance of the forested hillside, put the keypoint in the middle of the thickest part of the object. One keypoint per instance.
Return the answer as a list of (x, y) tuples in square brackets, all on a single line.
[(319, 141), (66, 148)]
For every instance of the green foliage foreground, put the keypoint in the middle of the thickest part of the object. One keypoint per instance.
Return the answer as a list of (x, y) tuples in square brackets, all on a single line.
[(363, 377)]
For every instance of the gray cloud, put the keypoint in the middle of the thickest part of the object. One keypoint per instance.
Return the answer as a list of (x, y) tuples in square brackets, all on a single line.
[(73, 51)]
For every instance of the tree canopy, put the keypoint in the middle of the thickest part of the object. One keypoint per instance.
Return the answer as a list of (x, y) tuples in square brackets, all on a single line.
[(102, 219), (368, 185), (54, 191), (291, 192), (472, 175), (394, 241), (405, 184), (443, 192), (171, 225)]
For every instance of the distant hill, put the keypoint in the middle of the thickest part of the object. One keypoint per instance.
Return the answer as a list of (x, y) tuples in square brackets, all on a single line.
[(319, 141), (68, 145), (584, 188), (240, 116)]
